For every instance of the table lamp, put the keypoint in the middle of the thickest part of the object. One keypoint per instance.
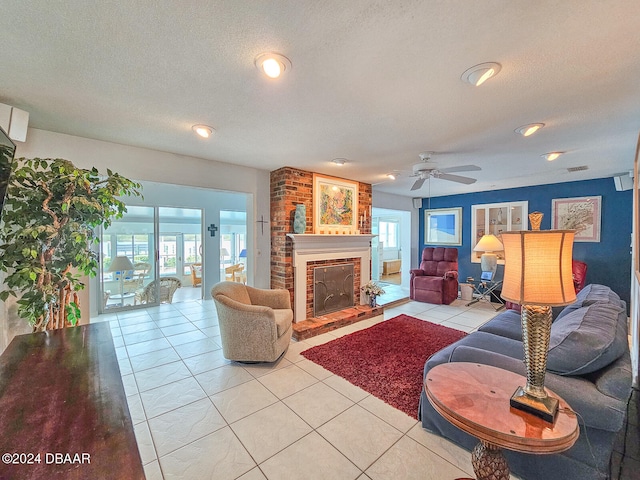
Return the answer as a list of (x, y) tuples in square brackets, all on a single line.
[(122, 265), (538, 276), (489, 260), (224, 253)]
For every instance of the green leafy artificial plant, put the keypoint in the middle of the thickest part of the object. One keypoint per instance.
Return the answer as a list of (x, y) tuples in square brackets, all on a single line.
[(49, 221)]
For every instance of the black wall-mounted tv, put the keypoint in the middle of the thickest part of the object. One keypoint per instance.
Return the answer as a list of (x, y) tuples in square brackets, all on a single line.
[(7, 152)]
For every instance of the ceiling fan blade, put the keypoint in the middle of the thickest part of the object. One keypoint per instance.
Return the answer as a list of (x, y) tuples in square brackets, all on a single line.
[(461, 168), (456, 178), (417, 184)]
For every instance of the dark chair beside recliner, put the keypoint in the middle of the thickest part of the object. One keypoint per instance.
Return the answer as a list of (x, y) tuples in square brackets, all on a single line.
[(436, 281), (579, 270)]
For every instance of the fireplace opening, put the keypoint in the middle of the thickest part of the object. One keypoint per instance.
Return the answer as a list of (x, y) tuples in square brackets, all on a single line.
[(332, 288)]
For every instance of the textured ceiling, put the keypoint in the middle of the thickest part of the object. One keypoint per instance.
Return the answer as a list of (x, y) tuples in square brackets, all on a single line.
[(376, 82)]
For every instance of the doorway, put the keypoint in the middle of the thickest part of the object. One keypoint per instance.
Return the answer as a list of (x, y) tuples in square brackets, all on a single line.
[(159, 243), (391, 252)]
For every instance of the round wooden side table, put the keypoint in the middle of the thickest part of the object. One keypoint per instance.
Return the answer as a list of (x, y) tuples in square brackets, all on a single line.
[(475, 398)]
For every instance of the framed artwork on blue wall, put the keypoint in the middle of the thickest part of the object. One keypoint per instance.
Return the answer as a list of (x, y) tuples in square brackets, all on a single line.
[(443, 226), (581, 214)]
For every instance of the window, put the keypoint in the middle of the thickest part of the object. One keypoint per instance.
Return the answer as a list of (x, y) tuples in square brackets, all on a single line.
[(388, 234), (192, 244)]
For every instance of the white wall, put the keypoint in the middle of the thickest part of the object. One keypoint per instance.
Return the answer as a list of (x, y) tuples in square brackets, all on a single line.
[(141, 164), (395, 202)]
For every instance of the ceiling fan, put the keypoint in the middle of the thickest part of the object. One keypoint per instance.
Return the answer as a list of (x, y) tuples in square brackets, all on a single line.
[(426, 169)]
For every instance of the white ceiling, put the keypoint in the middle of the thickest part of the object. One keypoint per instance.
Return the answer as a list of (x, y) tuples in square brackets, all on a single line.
[(376, 82)]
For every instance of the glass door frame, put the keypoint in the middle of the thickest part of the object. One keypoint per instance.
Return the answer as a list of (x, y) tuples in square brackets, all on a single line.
[(152, 260)]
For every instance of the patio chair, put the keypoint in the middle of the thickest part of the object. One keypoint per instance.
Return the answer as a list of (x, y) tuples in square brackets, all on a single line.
[(167, 287), (134, 279), (196, 274)]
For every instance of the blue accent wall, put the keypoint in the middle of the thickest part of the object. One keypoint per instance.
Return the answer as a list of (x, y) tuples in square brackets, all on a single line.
[(609, 261)]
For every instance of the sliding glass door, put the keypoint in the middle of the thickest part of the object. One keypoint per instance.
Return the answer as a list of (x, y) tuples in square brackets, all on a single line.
[(158, 243), (131, 237)]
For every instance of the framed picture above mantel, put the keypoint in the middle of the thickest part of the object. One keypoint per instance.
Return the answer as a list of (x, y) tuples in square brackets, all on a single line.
[(335, 205)]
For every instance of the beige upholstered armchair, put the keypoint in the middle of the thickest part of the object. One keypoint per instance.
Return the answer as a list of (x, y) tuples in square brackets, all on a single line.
[(255, 324)]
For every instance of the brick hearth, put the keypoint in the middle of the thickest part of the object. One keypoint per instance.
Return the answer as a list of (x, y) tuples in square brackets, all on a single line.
[(326, 323)]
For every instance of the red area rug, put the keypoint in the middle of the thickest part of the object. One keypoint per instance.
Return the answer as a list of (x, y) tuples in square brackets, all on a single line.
[(387, 359)]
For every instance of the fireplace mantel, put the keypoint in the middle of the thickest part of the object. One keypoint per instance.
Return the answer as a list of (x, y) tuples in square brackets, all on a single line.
[(309, 241), (313, 247)]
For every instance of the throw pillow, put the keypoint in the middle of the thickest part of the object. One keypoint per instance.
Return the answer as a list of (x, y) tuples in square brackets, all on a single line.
[(589, 295), (587, 339)]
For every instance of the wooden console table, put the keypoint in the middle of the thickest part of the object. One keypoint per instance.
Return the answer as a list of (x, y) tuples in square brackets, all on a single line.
[(475, 398), (63, 409)]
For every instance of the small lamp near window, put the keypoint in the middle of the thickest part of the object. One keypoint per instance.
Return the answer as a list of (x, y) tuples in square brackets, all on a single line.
[(122, 265), (223, 253), (538, 276), (489, 260), (243, 255)]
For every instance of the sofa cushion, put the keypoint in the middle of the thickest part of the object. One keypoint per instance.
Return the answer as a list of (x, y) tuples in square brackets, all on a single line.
[(507, 324), (587, 339), (588, 296), (596, 293)]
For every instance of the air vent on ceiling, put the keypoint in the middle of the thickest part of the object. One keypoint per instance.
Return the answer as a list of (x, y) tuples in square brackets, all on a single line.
[(577, 169)]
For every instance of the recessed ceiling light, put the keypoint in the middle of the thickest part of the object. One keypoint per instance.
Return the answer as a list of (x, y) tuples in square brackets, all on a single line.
[(391, 176), (205, 131), (273, 65), (339, 161), (551, 156), (530, 129), (479, 74)]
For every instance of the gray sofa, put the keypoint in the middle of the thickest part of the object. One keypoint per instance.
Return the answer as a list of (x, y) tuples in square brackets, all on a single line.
[(588, 365)]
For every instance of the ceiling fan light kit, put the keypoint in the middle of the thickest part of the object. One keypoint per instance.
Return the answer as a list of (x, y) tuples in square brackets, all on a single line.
[(425, 170), (272, 64), (478, 74), (529, 129)]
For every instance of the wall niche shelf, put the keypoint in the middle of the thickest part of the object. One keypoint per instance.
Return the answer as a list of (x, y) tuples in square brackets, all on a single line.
[(495, 218)]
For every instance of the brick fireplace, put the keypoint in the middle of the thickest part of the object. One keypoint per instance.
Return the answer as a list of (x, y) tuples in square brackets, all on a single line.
[(293, 256), (310, 251)]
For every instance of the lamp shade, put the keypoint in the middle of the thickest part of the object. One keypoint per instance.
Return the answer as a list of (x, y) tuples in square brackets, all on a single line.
[(120, 264), (224, 252), (243, 253), (488, 243), (537, 268)]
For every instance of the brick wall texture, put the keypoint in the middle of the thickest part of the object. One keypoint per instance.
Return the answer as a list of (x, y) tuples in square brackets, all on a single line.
[(289, 187)]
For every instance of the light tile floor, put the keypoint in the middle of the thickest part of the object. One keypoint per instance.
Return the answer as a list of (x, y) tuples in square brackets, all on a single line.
[(197, 415)]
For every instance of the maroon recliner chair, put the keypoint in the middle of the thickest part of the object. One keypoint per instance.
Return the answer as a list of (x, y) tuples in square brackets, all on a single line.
[(436, 281)]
